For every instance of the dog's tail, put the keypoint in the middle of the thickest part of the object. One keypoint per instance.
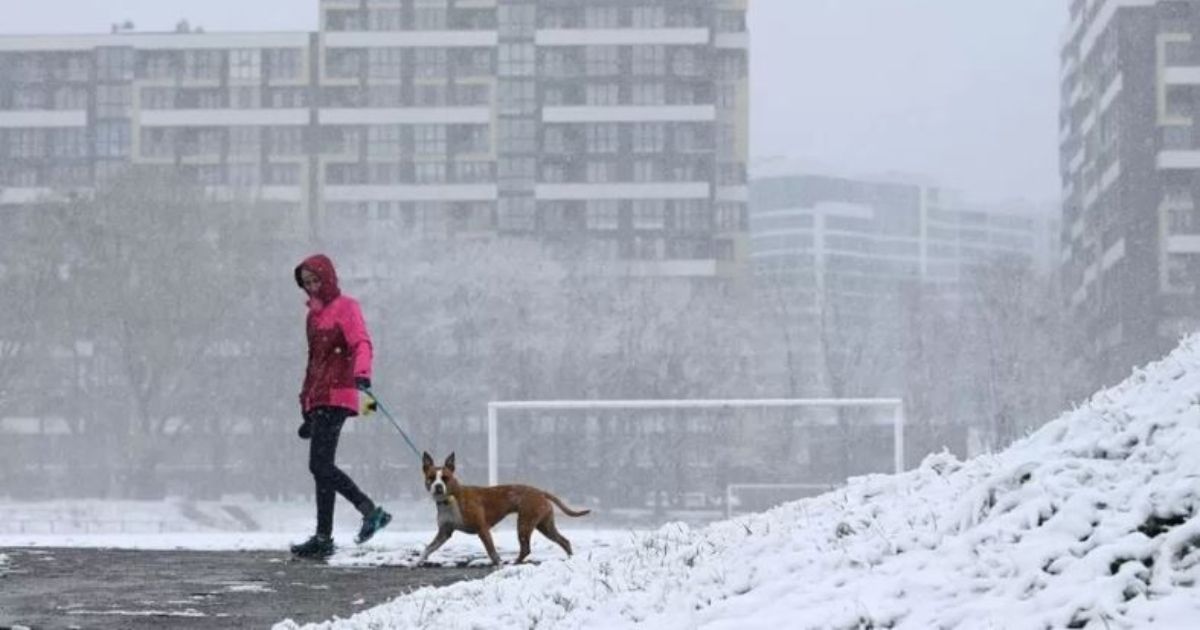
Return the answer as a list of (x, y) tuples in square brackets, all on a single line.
[(566, 510)]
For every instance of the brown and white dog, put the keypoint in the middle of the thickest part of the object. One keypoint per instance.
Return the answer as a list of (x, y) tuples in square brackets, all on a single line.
[(475, 510)]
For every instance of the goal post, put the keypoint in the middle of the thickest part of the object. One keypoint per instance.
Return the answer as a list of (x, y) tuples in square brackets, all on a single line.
[(495, 407)]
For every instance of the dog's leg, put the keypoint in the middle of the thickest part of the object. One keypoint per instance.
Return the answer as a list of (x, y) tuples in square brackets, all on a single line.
[(485, 535), (550, 531), (524, 532), (440, 539)]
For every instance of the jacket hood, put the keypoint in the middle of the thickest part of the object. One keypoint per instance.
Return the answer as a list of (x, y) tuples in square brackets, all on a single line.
[(322, 266)]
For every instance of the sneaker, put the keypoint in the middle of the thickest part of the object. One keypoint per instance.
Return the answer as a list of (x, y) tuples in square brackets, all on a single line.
[(316, 547), (374, 521)]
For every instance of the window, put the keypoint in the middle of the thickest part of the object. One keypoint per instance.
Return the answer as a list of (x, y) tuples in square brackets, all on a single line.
[(472, 172), (553, 173), (384, 141), (516, 214), (286, 140), (29, 97), (517, 97), (649, 214), (112, 101), (516, 20), (517, 173), (601, 172), (602, 138), (686, 63), (386, 173), (281, 174), (603, 214), (430, 139), (731, 21), (691, 216), (245, 97), (70, 143), (202, 64), (649, 94), (112, 139), (78, 67), (603, 94), (518, 136), (602, 17), (431, 172), (649, 60), (431, 63), (731, 217), (554, 139), (245, 64), (429, 19), (283, 63), (647, 171), (287, 98), (384, 19), (243, 175), (115, 64), (602, 60), (343, 63), (472, 139), (346, 20), (649, 138), (516, 59), (649, 17), (384, 63), (71, 97), (157, 65), (383, 96), (209, 141), (244, 141), (430, 95)]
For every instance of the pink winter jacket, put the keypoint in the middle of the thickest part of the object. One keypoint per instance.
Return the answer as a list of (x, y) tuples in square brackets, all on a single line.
[(339, 348)]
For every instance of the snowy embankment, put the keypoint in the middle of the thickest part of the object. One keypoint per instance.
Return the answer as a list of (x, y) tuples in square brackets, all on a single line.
[(1090, 522)]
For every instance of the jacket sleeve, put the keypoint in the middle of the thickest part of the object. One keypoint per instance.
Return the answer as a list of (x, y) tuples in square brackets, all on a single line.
[(308, 376), (357, 339)]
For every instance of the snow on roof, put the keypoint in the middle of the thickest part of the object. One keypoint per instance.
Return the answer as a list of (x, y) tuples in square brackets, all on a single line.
[(1089, 522)]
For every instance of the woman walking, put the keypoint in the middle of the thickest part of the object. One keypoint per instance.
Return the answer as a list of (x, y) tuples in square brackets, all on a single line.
[(339, 367)]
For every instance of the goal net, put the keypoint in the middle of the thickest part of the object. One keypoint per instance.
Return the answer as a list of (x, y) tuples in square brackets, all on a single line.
[(653, 456)]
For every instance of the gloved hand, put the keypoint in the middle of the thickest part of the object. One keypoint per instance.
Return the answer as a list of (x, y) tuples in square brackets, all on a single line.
[(362, 382), (305, 430), (366, 404)]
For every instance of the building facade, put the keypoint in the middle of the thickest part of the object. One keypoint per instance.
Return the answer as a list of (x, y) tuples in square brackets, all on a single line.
[(864, 238), (1130, 157), (618, 129)]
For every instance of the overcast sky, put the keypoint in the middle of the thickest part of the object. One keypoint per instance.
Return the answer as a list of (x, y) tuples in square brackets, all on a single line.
[(961, 92)]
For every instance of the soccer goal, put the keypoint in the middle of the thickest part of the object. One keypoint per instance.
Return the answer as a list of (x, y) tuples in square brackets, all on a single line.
[(717, 440)]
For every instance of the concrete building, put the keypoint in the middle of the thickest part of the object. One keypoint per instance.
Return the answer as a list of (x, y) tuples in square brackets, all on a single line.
[(1130, 156), (616, 128), (862, 237)]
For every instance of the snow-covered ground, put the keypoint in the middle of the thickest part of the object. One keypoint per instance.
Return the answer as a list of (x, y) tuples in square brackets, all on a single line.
[(1089, 523), (209, 526)]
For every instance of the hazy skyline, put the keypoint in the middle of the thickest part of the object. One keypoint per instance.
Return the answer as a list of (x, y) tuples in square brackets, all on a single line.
[(962, 94)]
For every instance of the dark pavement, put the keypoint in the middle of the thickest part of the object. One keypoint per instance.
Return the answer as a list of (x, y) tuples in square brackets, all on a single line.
[(110, 589)]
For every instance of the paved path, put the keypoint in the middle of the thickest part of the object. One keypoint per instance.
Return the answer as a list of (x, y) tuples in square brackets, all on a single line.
[(109, 589)]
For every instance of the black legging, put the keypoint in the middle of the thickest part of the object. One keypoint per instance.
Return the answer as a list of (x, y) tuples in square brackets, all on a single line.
[(326, 429)]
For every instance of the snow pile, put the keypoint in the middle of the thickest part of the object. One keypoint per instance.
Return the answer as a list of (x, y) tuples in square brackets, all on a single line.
[(1090, 522)]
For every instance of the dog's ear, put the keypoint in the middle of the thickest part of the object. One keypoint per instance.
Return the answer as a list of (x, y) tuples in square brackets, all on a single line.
[(449, 465), (426, 461)]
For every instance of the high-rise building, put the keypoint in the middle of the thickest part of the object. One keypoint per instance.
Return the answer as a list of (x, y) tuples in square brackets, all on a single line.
[(617, 128), (865, 238), (1130, 157)]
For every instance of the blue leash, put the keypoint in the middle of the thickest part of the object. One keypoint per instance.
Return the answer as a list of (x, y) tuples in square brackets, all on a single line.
[(379, 404)]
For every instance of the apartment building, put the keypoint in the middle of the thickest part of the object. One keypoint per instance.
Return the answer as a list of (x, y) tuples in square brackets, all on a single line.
[(1130, 157), (862, 239), (615, 128)]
